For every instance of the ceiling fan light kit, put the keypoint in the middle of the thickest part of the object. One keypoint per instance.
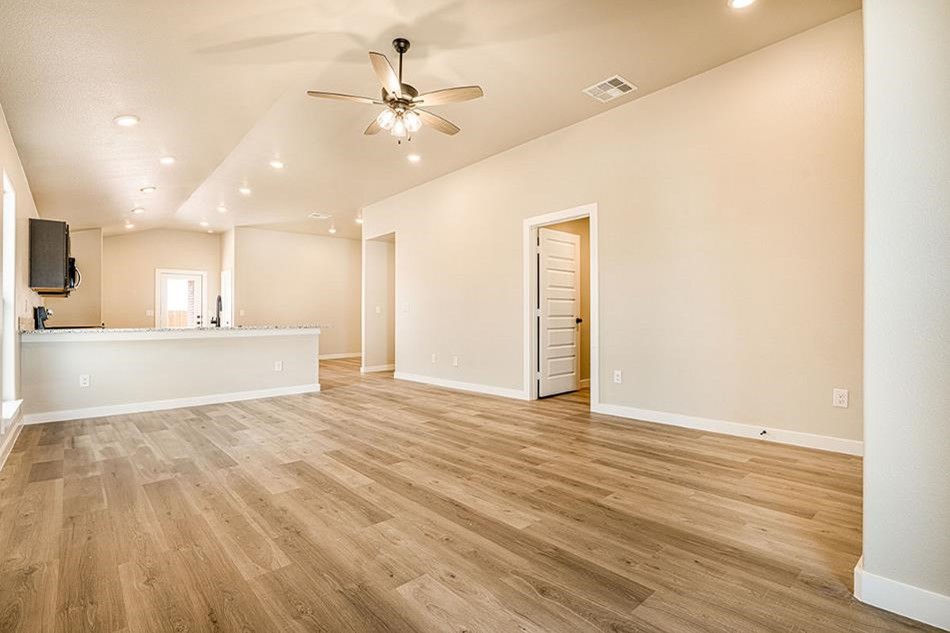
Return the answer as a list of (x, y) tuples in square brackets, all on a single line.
[(403, 115)]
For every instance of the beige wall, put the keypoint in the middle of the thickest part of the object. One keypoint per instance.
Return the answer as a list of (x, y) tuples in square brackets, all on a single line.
[(907, 313), (298, 279), (379, 296), (129, 262), (581, 228), (83, 306), (730, 236)]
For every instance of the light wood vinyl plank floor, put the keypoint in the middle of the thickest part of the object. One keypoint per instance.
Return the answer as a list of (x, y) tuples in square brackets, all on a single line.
[(380, 505)]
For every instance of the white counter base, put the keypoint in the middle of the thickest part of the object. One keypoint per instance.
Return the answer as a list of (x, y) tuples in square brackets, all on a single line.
[(79, 374), (162, 405)]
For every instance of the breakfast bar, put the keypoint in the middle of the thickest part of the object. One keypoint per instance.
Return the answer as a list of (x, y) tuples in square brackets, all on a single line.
[(84, 373)]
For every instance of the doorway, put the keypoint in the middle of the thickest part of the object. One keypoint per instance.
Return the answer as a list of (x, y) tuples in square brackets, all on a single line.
[(180, 299), (561, 305), (379, 304)]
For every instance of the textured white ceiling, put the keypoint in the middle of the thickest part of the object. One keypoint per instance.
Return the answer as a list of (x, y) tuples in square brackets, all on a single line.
[(221, 86)]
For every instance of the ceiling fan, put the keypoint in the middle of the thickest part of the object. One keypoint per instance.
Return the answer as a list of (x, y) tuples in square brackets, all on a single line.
[(404, 115)]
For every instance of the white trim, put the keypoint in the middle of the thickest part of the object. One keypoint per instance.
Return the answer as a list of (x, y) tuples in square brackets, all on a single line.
[(92, 334), (161, 405), (530, 226), (376, 368), (897, 597), (175, 271), (339, 356), (782, 436), (490, 390), (12, 424)]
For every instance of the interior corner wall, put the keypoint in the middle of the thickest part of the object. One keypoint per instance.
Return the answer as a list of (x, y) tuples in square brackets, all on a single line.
[(83, 306), (284, 278), (906, 562), (730, 210), (129, 261)]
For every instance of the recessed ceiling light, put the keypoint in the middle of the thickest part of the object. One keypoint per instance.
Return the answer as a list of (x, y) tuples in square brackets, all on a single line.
[(210, 231), (413, 158), (130, 226), (138, 210), (316, 215), (126, 120), (244, 190), (167, 160), (740, 4), (149, 189), (359, 219), (222, 208), (277, 164), (203, 223), (332, 230)]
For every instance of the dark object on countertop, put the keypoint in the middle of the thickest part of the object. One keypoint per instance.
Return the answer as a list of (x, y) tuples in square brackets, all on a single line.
[(40, 314), (216, 321), (52, 271)]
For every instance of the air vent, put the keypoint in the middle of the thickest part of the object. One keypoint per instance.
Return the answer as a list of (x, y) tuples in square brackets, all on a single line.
[(610, 88), (316, 215)]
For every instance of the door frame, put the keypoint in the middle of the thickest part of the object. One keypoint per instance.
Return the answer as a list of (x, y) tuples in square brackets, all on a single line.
[(363, 313), (530, 290), (177, 271)]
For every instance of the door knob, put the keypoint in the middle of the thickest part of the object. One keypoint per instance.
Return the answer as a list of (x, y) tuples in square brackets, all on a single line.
[(578, 320)]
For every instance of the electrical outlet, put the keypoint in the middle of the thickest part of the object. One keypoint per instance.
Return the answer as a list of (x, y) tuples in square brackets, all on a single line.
[(434, 359), (839, 398), (83, 380), (278, 365), (618, 376), (455, 361)]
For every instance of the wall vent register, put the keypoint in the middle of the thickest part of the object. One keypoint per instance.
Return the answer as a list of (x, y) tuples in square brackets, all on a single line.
[(610, 88)]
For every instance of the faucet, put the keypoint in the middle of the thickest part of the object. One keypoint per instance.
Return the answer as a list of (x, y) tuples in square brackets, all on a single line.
[(216, 321)]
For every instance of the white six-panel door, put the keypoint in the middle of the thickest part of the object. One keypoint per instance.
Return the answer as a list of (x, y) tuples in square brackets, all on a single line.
[(559, 307)]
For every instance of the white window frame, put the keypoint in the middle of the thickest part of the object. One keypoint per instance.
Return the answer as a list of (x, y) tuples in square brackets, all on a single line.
[(178, 271)]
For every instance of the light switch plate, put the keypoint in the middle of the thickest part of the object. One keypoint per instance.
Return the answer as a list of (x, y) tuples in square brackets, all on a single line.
[(278, 365), (434, 359), (379, 310), (150, 312), (455, 361)]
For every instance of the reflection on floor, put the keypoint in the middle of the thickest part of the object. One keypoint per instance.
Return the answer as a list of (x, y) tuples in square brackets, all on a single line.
[(382, 505)]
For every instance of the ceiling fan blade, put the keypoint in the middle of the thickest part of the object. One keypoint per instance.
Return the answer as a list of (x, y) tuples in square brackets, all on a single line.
[(342, 97), (373, 128), (449, 95), (437, 123), (384, 70)]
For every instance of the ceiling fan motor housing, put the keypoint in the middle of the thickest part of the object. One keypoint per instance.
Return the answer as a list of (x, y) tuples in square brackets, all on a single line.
[(401, 45)]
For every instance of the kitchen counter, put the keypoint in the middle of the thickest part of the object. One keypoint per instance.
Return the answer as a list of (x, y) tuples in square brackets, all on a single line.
[(146, 334), (91, 372)]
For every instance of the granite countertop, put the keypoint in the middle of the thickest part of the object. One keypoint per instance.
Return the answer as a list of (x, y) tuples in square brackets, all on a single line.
[(90, 330), (81, 335)]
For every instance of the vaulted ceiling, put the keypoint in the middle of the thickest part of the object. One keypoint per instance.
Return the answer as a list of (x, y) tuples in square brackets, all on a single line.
[(221, 87)]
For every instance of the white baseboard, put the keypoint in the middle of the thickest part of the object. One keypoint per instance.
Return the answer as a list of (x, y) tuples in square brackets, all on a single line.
[(490, 390), (339, 356), (912, 602), (161, 405), (12, 423), (375, 368), (808, 440)]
